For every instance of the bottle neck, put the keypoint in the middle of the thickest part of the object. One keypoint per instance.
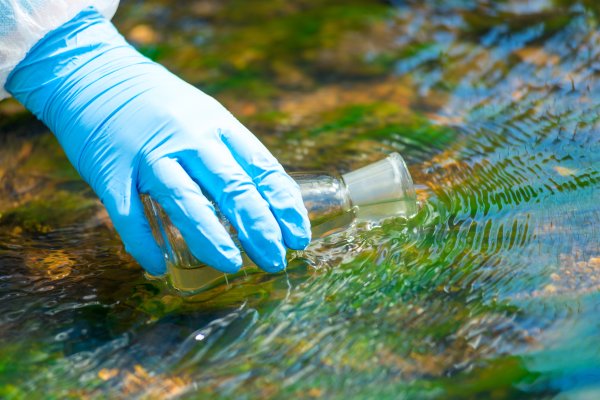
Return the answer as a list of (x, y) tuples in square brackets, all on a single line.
[(377, 191), (325, 196)]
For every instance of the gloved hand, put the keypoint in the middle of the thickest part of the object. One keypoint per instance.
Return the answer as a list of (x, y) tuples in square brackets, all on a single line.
[(129, 126)]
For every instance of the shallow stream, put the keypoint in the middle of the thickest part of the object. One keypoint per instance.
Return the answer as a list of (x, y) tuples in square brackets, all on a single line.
[(493, 290)]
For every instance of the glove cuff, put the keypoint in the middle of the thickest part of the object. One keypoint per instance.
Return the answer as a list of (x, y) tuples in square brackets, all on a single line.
[(70, 76)]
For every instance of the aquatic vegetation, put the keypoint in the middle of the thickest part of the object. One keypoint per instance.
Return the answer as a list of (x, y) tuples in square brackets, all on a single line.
[(493, 289)]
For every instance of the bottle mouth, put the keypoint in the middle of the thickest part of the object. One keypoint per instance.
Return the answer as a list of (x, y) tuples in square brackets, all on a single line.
[(382, 189)]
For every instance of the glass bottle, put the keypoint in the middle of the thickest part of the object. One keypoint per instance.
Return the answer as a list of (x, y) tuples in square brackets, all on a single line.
[(377, 191)]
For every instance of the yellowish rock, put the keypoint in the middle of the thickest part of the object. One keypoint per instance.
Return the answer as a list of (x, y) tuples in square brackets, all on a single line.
[(550, 289), (106, 374), (564, 171), (143, 34)]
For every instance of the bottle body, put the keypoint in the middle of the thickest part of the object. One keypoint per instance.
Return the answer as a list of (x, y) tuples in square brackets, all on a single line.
[(380, 190)]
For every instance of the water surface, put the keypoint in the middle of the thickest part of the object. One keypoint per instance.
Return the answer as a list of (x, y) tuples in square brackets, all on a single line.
[(492, 290)]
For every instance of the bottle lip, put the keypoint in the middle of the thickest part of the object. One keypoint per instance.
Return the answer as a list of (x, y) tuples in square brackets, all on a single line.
[(403, 174), (387, 180)]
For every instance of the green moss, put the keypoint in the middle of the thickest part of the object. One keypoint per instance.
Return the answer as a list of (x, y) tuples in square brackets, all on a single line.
[(48, 159), (383, 121), (53, 210)]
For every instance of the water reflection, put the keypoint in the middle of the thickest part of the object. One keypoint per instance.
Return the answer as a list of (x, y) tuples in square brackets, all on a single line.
[(492, 289)]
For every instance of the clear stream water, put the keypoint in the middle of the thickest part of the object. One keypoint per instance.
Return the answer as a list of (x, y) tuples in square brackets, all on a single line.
[(493, 290)]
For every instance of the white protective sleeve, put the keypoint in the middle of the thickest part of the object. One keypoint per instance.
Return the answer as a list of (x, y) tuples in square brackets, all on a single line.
[(24, 22)]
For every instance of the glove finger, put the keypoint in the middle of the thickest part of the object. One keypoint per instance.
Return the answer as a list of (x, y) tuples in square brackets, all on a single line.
[(216, 170), (191, 212), (127, 214), (275, 185)]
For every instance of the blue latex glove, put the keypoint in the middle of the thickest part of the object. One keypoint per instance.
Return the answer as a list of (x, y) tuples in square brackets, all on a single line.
[(129, 126)]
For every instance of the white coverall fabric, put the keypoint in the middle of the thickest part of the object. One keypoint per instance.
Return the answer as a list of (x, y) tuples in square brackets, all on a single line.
[(24, 22)]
